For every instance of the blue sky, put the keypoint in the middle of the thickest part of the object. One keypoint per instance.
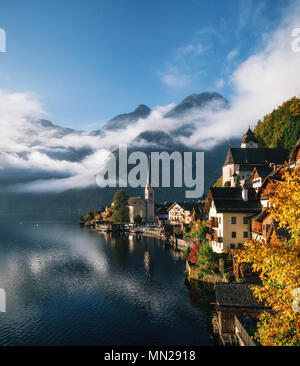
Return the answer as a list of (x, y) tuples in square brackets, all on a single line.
[(90, 60)]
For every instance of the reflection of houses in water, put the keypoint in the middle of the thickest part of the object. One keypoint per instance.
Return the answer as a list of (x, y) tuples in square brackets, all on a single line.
[(148, 262), (237, 309), (131, 242)]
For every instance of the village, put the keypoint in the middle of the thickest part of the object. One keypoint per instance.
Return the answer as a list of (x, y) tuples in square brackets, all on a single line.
[(213, 230)]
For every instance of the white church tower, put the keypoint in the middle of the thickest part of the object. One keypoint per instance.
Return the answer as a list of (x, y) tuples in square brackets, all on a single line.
[(149, 197)]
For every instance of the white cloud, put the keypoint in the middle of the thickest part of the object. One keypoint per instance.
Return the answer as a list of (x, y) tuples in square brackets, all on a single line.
[(220, 83), (260, 83), (232, 54), (177, 80)]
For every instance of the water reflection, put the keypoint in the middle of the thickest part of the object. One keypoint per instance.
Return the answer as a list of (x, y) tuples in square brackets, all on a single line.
[(68, 286)]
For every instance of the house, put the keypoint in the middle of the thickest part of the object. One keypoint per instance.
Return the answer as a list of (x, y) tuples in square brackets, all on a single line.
[(136, 206), (229, 211), (161, 213), (240, 162), (184, 212), (295, 157), (107, 213), (258, 175), (236, 307), (268, 186)]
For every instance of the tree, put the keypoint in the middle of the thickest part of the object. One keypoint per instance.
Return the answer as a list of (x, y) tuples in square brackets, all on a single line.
[(120, 208), (137, 219), (281, 128), (197, 231), (207, 259), (237, 182), (227, 184), (219, 182), (278, 265)]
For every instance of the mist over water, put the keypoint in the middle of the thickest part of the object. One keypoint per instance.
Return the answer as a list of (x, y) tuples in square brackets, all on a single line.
[(68, 286)]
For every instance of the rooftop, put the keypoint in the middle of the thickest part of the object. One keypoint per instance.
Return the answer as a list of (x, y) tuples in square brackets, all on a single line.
[(228, 199), (259, 156), (236, 294)]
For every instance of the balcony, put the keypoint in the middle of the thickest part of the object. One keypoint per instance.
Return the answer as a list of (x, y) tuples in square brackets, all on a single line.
[(213, 222), (217, 239)]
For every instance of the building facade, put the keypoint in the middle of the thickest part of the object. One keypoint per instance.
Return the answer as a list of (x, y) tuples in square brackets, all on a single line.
[(229, 211), (240, 162)]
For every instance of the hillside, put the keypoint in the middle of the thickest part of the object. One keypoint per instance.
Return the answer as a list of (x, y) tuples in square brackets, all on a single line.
[(281, 128)]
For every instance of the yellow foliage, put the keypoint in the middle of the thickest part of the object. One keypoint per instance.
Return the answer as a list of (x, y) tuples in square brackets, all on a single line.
[(278, 264)]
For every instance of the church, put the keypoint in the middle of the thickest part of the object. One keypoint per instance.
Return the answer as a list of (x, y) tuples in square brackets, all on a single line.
[(143, 207), (241, 161)]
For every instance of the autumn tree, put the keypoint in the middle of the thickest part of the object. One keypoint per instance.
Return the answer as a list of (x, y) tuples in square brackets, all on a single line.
[(278, 265), (120, 207)]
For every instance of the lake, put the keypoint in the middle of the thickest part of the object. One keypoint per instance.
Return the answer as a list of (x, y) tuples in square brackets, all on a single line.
[(69, 286)]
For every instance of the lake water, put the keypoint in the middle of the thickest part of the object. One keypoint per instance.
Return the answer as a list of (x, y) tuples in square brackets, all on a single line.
[(69, 286)]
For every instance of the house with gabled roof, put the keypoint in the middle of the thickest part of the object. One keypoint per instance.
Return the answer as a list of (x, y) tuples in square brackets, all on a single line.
[(229, 211), (241, 161), (184, 212)]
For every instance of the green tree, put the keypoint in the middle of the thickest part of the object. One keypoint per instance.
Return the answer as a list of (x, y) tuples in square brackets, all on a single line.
[(227, 184), (281, 128), (120, 208), (237, 182), (207, 259)]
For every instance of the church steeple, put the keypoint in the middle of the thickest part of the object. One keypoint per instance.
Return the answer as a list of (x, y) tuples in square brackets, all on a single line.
[(149, 196), (249, 140)]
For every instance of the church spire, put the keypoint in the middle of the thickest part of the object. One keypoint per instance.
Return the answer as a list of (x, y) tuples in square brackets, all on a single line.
[(249, 140)]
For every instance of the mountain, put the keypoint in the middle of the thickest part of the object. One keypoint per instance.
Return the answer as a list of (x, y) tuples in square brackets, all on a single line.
[(123, 120), (201, 100), (79, 148)]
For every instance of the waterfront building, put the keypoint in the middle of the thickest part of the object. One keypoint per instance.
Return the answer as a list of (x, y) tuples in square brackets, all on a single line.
[(184, 212), (229, 211)]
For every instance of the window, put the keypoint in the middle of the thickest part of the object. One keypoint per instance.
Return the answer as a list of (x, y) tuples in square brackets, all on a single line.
[(233, 220), (232, 246), (233, 234), (219, 219), (267, 228), (240, 246), (245, 234), (245, 220)]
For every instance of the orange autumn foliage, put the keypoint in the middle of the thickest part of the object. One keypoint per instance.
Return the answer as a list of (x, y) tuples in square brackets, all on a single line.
[(278, 265)]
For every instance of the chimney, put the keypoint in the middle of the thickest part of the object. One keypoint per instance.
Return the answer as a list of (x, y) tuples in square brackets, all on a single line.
[(245, 192)]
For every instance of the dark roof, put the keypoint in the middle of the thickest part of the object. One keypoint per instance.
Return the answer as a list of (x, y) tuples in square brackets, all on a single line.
[(262, 215), (264, 171), (255, 156), (188, 205), (249, 137), (236, 294), (228, 199)]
